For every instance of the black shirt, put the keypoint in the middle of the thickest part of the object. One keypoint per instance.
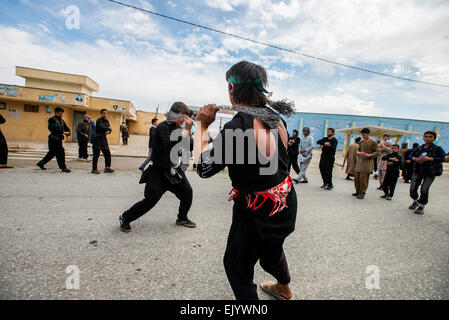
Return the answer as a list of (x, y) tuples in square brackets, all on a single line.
[(152, 136), (246, 174), (57, 127), (294, 147), (396, 165), (100, 141), (163, 145), (328, 152), (2, 137)]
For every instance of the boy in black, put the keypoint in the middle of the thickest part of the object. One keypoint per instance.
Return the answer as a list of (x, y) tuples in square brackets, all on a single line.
[(394, 164), (329, 146)]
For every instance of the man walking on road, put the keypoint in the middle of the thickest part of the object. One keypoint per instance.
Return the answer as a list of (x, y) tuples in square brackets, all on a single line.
[(83, 131), (58, 130), (103, 128), (365, 165), (428, 164), (329, 147), (305, 149)]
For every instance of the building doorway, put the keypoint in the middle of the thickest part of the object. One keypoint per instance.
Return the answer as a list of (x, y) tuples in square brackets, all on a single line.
[(77, 119)]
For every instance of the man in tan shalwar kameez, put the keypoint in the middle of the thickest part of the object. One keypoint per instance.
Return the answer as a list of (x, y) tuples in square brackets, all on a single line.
[(384, 149), (365, 165), (351, 158)]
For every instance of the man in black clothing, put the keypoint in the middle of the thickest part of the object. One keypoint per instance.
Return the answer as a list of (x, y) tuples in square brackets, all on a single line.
[(83, 131), (58, 129), (293, 151), (152, 135), (102, 129), (164, 174), (329, 147), (394, 164), (3, 148), (408, 163)]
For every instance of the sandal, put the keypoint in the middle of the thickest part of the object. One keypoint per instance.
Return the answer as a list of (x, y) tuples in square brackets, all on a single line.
[(6, 167), (270, 288)]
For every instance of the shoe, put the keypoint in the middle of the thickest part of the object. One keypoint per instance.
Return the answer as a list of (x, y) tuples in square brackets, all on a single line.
[(361, 196), (186, 223), (80, 159), (414, 205), (66, 170), (375, 176), (407, 181), (329, 188), (40, 165), (388, 198), (89, 159), (384, 196), (380, 188), (420, 210), (124, 226), (348, 178), (355, 194), (108, 170), (95, 171), (141, 169), (304, 181), (295, 180), (323, 186)]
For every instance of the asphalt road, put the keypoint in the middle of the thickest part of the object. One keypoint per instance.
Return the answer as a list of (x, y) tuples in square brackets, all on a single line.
[(51, 220)]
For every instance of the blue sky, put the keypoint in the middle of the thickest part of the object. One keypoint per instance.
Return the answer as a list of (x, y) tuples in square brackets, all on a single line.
[(154, 61)]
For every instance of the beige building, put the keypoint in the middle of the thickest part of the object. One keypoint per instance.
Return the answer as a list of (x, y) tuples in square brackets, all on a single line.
[(143, 123), (28, 108)]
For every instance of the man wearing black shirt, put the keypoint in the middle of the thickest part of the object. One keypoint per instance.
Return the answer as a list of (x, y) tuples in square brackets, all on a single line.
[(293, 151), (394, 164), (58, 130), (102, 129), (165, 175), (329, 147)]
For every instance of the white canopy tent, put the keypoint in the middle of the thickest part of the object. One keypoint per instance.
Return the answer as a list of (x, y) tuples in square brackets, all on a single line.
[(376, 131)]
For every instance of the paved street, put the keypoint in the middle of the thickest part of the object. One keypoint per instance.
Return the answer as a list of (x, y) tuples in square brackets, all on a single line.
[(50, 221)]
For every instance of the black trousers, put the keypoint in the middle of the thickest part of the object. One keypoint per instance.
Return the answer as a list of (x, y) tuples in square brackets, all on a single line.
[(82, 148), (155, 188), (125, 140), (3, 153), (326, 168), (293, 162), (408, 171), (55, 149), (390, 180), (425, 181), (251, 239), (107, 158)]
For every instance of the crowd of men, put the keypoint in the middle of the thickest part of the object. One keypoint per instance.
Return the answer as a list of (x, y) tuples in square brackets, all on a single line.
[(419, 164)]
